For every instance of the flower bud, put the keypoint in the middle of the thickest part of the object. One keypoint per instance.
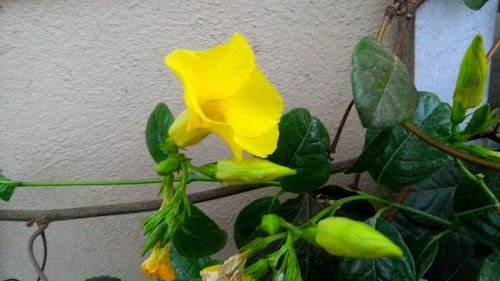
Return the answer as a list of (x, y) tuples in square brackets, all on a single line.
[(270, 223), (182, 135), (167, 167), (350, 238), (250, 170), (471, 81)]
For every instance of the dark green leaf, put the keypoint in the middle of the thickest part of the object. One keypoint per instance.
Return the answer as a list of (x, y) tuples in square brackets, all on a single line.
[(103, 278), (199, 236), (424, 252), (407, 159), (479, 121), (187, 269), (380, 269), (490, 271), (383, 91), (6, 190), (157, 131), (469, 196), (482, 224), (315, 264), (475, 4), (249, 219), (303, 146), (455, 260), (360, 210), (374, 146)]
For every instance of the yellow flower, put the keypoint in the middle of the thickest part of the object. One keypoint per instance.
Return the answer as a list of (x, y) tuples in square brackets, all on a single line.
[(158, 264), (250, 170), (226, 93)]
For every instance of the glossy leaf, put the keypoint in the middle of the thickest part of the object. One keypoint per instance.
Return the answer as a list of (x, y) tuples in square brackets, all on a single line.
[(454, 261), (480, 121), (380, 269), (199, 236), (303, 146), (490, 270), (469, 196), (187, 269), (157, 127), (482, 224), (383, 91), (249, 219), (424, 252), (374, 146), (475, 4), (360, 210), (6, 190), (407, 159)]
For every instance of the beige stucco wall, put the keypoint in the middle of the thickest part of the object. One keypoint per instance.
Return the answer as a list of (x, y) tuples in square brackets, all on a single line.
[(78, 80)]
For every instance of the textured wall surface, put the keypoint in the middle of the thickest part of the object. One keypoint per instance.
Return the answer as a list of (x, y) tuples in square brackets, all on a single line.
[(441, 41), (78, 80)]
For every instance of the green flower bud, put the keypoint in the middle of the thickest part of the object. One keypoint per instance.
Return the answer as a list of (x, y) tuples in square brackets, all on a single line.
[(471, 81), (250, 170), (167, 167), (270, 223), (350, 238)]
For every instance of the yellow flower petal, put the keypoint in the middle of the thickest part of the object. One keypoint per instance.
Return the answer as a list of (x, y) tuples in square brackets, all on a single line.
[(180, 134), (226, 93)]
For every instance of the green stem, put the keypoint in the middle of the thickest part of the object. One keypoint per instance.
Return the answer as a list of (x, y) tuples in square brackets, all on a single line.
[(337, 205), (421, 214), (479, 181)]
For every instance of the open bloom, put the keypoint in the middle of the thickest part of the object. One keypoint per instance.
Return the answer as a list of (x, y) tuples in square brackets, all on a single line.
[(158, 264), (227, 94)]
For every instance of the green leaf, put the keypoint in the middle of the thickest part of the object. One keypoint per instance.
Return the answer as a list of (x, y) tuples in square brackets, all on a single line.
[(475, 4), (490, 271), (407, 159), (479, 123), (374, 146), (315, 264), (6, 190), (380, 269), (249, 219), (303, 146), (456, 260), (199, 236), (469, 196), (159, 122), (482, 224), (360, 210), (383, 91), (186, 268), (103, 278), (424, 252)]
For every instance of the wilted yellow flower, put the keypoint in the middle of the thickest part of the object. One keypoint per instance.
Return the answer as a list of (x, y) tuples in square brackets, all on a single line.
[(158, 264), (226, 93), (231, 270), (250, 170)]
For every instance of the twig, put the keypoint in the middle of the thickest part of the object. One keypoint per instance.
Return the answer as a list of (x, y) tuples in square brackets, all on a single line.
[(336, 139), (413, 6), (137, 207), (355, 183), (448, 150), (493, 49), (390, 12), (402, 197)]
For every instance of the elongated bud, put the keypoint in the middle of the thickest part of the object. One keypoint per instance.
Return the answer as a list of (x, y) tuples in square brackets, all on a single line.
[(471, 81), (250, 170), (350, 238), (270, 223), (167, 167), (181, 135)]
